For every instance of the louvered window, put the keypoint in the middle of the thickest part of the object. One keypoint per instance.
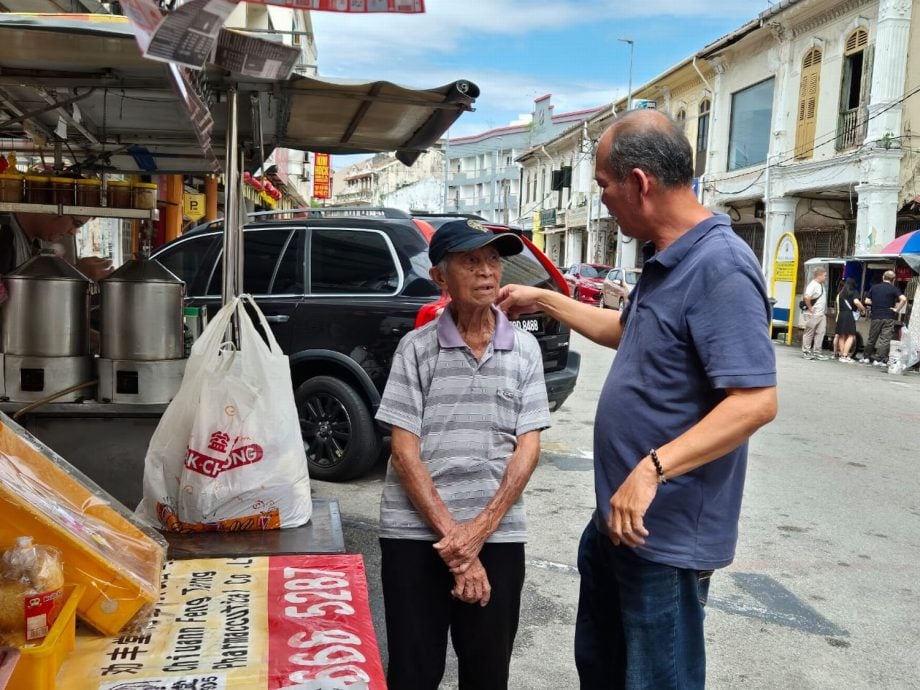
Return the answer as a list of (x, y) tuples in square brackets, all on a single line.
[(807, 114), (856, 42), (854, 90)]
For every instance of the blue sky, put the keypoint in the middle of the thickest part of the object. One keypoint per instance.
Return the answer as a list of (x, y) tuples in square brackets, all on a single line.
[(518, 50)]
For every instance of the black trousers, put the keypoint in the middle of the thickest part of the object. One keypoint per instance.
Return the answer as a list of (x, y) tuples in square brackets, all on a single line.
[(881, 332), (420, 611)]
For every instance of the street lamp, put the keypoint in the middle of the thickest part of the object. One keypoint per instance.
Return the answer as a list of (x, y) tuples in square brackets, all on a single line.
[(629, 86), (619, 254)]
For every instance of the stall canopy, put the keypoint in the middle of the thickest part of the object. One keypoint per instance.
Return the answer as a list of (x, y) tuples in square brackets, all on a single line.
[(81, 80)]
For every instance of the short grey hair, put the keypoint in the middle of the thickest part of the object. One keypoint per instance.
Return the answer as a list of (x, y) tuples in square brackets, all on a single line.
[(660, 149), (819, 271)]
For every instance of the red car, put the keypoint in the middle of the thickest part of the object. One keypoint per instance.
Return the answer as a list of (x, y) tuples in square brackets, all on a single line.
[(586, 281)]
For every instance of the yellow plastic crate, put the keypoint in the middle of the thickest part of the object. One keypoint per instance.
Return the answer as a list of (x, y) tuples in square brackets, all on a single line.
[(117, 559), (38, 665)]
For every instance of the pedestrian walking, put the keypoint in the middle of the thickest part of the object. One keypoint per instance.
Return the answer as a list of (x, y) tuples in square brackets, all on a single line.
[(694, 376)]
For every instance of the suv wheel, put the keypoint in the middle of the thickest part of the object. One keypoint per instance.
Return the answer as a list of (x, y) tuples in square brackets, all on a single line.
[(337, 428), (601, 302)]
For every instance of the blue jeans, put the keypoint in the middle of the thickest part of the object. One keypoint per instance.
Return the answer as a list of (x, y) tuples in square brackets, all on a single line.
[(639, 623)]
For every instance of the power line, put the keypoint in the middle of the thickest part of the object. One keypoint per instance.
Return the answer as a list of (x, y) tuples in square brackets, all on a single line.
[(825, 139)]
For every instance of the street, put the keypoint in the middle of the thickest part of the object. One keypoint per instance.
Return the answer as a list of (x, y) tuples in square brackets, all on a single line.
[(823, 592)]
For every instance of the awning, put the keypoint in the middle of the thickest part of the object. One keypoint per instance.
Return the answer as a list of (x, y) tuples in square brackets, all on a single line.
[(122, 112)]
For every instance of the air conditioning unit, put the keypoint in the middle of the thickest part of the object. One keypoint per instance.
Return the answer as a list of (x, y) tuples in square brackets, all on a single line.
[(560, 217)]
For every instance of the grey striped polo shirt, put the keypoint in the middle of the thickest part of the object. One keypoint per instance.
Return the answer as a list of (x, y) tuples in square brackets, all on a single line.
[(468, 415)]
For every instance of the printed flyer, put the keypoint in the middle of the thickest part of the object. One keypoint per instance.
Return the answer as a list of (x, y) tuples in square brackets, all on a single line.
[(268, 623)]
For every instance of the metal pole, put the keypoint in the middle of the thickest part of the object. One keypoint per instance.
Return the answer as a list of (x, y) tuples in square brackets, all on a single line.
[(232, 228), (629, 86), (446, 170), (619, 252)]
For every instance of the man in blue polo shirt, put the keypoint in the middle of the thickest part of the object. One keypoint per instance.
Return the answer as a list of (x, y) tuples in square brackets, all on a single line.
[(693, 378)]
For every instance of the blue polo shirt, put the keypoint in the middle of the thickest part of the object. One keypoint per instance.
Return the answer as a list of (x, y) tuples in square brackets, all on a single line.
[(696, 324)]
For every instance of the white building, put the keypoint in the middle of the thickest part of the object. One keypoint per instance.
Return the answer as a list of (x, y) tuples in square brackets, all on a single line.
[(483, 177), (384, 181), (806, 125)]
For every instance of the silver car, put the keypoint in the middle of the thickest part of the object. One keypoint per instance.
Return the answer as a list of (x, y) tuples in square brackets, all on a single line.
[(618, 283)]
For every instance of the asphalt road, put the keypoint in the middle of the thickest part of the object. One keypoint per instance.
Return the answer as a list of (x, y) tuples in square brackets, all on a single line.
[(824, 590)]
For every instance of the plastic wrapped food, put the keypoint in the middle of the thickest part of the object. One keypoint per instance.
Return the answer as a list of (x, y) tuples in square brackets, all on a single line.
[(117, 558), (31, 591)]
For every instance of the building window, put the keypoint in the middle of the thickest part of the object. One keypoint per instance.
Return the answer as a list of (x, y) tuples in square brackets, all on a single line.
[(749, 137), (854, 90), (681, 119), (807, 113), (702, 136)]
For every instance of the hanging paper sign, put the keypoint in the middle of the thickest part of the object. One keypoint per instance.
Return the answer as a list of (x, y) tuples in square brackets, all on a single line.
[(299, 621)]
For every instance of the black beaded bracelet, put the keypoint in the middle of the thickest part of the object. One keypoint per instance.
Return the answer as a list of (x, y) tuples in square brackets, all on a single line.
[(653, 454)]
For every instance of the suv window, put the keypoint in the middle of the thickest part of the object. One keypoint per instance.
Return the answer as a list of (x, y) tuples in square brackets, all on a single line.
[(187, 260), (261, 252), (526, 269), (350, 262)]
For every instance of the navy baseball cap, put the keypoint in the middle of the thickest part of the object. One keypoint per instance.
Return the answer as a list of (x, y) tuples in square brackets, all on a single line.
[(465, 235)]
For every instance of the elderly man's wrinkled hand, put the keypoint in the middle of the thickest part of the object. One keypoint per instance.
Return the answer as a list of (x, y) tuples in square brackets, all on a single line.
[(629, 505), (461, 546), (94, 267), (472, 586)]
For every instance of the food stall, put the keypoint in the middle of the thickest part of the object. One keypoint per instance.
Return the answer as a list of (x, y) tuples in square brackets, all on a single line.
[(227, 611), (138, 116)]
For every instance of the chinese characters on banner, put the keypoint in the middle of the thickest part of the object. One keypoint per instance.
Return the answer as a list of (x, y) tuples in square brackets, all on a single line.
[(321, 177), (243, 624)]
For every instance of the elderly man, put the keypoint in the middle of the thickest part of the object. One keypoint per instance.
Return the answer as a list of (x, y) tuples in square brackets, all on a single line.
[(25, 234), (467, 401), (694, 376)]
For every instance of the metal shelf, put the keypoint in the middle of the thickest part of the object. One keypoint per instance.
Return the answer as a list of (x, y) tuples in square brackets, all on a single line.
[(91, 211)]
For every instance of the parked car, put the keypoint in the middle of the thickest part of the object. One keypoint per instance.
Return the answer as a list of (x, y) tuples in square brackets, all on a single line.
[(339, 288), (617, 286), (585, 281)]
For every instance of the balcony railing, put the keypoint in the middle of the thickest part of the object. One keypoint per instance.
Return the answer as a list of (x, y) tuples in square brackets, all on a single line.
[(851, 128)]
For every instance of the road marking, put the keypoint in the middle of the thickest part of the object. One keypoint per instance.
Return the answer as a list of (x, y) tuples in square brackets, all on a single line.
[(555, 567)]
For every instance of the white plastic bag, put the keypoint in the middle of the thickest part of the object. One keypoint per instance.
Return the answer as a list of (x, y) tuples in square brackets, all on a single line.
[(227, 453)]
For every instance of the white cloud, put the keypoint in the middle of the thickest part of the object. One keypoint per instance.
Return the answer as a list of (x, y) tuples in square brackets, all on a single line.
[(436, 47)]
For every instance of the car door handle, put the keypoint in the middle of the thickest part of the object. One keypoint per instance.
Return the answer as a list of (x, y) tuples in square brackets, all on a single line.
[(277, 318)]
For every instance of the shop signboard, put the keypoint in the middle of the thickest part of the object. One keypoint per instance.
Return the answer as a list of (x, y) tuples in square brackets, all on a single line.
[(193, 206), (243, 624), (782, 288), (321, 177)]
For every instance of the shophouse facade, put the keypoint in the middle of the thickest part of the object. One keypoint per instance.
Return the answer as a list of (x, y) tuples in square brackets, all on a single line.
[(807, 127), (382, 180), (572, 222), (483, 177)]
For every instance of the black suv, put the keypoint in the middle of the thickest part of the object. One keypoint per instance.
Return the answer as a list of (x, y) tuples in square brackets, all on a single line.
[(340, 288)]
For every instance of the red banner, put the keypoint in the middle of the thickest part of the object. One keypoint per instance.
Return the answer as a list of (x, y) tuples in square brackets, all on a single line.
[(319, 615), (355, 6), (321, 176)]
